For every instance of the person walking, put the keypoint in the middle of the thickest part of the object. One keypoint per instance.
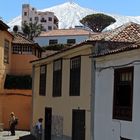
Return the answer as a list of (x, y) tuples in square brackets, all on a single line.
[(12, 123), (39, 129)]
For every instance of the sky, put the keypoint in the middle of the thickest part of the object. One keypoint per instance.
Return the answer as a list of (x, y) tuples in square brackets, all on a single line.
[(10, 9)]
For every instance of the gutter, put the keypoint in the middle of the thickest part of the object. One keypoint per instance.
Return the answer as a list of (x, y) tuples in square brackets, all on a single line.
[(33, 77)]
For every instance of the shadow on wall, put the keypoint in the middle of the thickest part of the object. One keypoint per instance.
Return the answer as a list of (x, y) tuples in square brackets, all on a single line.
[(28, 137)]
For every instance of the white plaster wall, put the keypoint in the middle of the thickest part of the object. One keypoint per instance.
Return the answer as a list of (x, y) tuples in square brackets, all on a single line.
[(34, 13), (44, 41), (105, 127)]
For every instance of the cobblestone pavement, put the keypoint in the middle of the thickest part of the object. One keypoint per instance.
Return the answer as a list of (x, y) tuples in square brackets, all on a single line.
[(5, 135)]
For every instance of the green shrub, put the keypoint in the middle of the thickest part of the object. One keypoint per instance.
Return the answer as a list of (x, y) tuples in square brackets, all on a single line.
[(56, 47)]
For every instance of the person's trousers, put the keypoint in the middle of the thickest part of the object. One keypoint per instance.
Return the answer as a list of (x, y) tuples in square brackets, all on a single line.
[(12, 129)]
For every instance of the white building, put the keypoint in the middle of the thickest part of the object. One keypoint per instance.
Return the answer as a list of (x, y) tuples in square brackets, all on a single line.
[(117, 95), (63, 36), (108, 80), (47, 19), (116, 91)]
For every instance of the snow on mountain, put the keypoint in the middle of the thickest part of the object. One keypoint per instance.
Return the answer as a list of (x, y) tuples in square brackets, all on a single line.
[(69, 15)]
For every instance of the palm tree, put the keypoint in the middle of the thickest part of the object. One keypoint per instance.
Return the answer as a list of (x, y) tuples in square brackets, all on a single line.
[(32, 30)]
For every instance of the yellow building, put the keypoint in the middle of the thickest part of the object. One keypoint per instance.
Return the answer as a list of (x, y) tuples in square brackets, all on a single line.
[(16, 52), (5, 49), (62, 93), (64, 86)]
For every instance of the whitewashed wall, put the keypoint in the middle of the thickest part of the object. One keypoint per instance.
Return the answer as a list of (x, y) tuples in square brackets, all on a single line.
[(106, 128), (44, 41)]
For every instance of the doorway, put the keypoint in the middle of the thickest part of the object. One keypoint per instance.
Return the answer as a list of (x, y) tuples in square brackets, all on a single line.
[(78, 124), (48, 123)]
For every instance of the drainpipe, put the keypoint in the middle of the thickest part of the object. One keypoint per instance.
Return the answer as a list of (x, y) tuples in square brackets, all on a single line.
[(92, 99), (33, 75)]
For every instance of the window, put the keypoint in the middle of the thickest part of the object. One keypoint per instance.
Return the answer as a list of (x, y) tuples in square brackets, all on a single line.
[(6, 51), (43, 20), (42, 88), (25, 13), (71, 41), (22, 49), (124, 138), (26, 50), (36, 18), (57, 77), (53, 41), (50, 18), (17, 49), (49, 27), (30, 19), (75, 67), (123, 93)]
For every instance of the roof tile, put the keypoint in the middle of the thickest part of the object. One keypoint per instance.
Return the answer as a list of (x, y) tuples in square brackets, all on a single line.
[(66, 32), (129, 32), (20, 39)]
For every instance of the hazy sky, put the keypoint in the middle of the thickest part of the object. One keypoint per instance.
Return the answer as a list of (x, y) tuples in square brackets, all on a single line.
[(9, 9)]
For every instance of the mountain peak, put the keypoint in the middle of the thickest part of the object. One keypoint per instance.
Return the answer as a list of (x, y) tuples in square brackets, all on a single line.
[(70, 13)]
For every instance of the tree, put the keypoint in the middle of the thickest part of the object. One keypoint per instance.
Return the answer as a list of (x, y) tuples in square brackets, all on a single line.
[(97, 22), (15, 28), (32, 30)]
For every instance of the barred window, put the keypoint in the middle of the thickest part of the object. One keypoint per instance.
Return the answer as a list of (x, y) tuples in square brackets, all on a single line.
[(57, 77), (123, 93), (75, 68), (42, 87)]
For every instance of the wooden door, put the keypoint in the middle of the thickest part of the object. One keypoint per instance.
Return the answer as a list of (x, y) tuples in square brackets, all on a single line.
[(78, 125), (48, 122)]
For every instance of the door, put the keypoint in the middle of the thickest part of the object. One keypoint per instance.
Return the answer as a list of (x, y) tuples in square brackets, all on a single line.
[(48, 122), (78, 124)]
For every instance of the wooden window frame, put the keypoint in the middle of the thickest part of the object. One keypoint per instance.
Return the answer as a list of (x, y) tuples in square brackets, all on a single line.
[(6, 51), (71, 41), (50, 28), (53, 41), (50, 19), (123, 103), (42, 83), (75, 73), (25, 13), (57, 78)]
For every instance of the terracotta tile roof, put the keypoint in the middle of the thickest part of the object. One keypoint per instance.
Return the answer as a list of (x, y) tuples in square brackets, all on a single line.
[(67, 32), (62, 51), (20, 39), (117, 49), (129, 32), (123, 38)]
